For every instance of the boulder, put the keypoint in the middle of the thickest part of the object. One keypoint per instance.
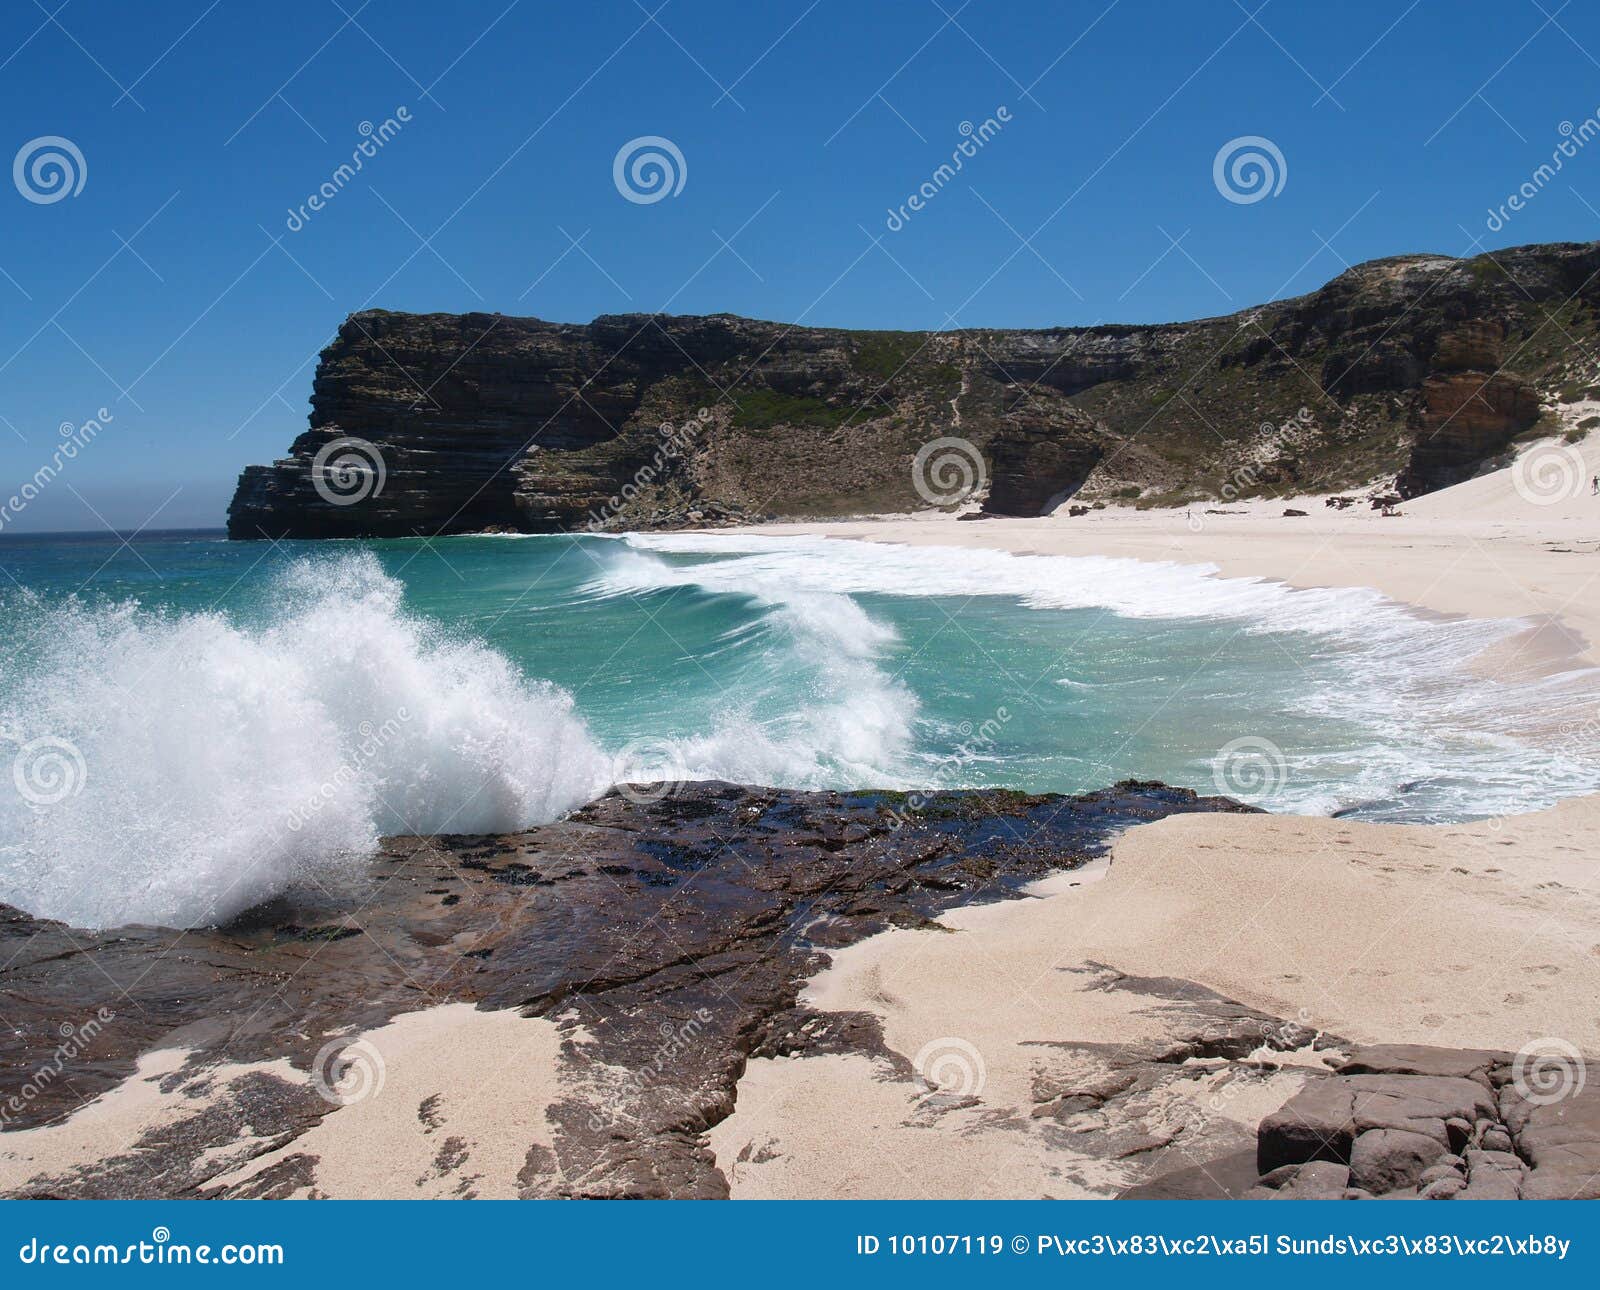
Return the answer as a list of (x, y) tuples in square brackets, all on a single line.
[(1419, 1104), (1315, 1180), (1384, 1160), (1495, 1140), (1421, 1059), (1492, 1175), (1317, 1123), (1561, 1143), (1433, 1173)]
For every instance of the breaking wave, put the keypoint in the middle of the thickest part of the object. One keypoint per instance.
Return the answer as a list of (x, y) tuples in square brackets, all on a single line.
[(202, 764)]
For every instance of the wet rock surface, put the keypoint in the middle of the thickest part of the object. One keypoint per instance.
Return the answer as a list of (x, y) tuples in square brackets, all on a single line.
[(668, 940)]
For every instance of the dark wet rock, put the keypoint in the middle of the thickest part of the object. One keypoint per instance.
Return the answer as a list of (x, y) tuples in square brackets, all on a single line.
[(668, 941)]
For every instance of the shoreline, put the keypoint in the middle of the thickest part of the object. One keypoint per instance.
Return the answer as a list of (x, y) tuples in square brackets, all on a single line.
[(1434, 556), (1113, 1026), (1454, 937), (1477, 936), (1478, 550)]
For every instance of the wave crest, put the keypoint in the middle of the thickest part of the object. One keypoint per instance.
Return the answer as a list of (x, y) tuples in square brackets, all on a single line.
[(225, 762)]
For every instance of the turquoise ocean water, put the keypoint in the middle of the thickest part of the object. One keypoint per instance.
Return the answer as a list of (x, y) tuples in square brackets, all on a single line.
[(193, 724)]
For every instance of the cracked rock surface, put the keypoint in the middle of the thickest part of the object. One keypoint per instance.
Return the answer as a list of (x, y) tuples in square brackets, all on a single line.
[(642, 951)]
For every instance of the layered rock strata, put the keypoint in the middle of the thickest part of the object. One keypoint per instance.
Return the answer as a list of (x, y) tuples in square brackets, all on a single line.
[(1416, 369)]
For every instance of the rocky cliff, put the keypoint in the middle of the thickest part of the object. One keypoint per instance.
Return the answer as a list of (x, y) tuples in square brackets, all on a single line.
[(1408, 372)]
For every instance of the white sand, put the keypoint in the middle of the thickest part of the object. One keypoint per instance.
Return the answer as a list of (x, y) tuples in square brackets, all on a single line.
[(463, 1098), (1478, 549), (1484, 935), (1480, 935), (451, 1100)]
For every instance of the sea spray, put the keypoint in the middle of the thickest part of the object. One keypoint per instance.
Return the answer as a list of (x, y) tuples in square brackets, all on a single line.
[(1380, 711), (846, 721), (206, 742)]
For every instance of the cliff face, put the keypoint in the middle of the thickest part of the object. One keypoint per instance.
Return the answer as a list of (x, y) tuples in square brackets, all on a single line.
[(1415, 369)]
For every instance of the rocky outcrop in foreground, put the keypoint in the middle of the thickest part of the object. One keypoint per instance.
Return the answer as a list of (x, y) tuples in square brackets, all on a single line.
[(646, 952), (667, 940), (1403, 1121), (1416, 369)]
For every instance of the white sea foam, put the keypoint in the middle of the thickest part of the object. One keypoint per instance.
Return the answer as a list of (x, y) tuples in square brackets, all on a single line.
[(1129, 588), (855, 726), (1404, 678), (222, 762), (225, 759)]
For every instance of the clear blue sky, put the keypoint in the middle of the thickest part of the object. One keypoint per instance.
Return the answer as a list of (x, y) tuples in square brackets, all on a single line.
[(203, 124)]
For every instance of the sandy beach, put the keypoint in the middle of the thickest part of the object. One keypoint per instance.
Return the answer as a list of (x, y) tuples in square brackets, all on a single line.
[(1477, 936), (1479, 549), (1117, 1023)]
